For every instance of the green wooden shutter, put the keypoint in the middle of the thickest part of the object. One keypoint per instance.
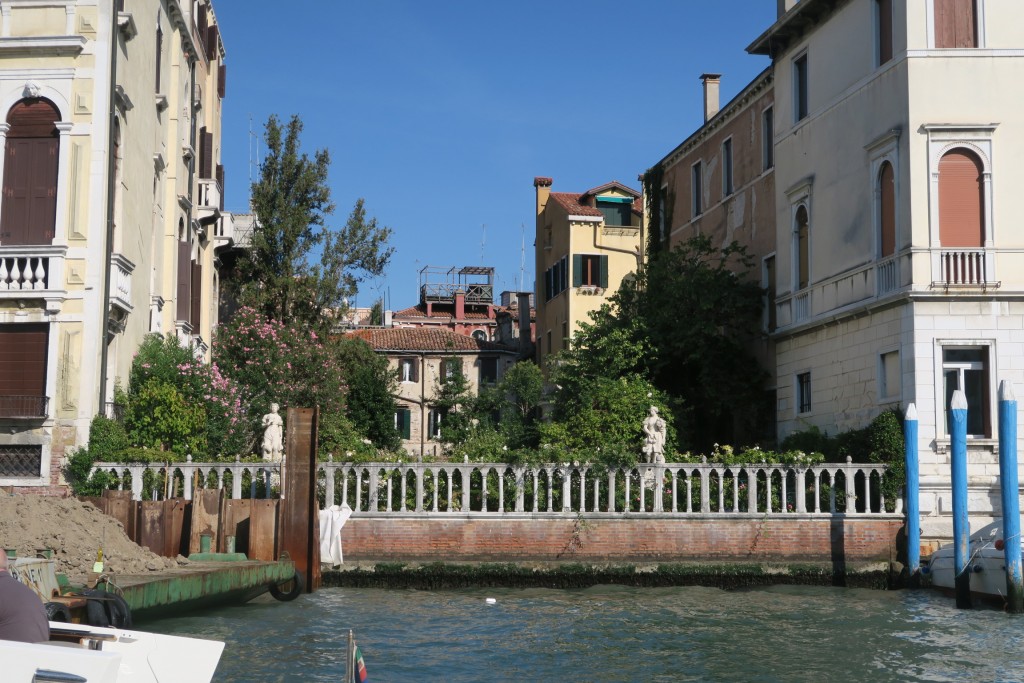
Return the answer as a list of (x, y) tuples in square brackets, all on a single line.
[(604, 272), (577, 270), (403, 420)]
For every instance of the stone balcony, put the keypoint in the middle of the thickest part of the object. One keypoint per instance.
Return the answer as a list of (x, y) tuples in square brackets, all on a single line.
[(32, 271)]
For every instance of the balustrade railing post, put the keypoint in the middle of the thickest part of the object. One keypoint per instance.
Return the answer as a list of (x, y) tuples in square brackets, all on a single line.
[(329, 482), (187, 474), (627, 506), (359, 488), (390, 478), (236, 478), (659, 488), (848, 485), (611, 490), (483, 489), (136, 473), (520, 475), (467, 482), (801, 490), (501, 491), (344, 485), (752, 502), (784, 494), (371, 495), (705, 490)]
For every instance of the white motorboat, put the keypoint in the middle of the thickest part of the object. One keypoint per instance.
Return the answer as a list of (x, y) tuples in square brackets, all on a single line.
[(88, 654), (986, 564)]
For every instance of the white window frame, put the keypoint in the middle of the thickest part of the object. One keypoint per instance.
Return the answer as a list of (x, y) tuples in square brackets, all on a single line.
[(798, 393), (979, 26), (802, 55), (404, 363), (884, 149), (800, 195), (942, 429)]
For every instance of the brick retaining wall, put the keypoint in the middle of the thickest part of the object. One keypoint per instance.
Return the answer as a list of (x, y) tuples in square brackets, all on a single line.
[(634, 539)]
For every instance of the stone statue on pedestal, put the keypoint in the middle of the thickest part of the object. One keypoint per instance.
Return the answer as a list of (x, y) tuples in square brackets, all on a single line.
[(273, 437), (654, 437)]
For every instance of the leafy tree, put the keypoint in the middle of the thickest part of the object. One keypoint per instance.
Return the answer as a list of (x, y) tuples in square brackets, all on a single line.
[(454, 402), (377, 312), (291, 201), (161, 418), (685, 324), (372, 385), (515, 400)]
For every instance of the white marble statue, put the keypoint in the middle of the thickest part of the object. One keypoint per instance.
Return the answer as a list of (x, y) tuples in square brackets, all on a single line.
[(654, 437), (273, 437)]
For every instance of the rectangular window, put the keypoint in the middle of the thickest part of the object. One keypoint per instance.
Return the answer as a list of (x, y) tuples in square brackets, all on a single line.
[(21, 461), (556, 278), (803, 392), (450, 369), (488, 371), (403, 422), (434, 419), (768, 138), (727, 181), (589, 270), (697, 188), (956, 23), (966, 368), (883, 24), (616, 210), (800, 108), (889, 379), (159, 56), (408, 370), (23, 370)]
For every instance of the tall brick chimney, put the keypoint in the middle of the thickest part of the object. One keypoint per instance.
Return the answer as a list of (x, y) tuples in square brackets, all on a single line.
[(460, 305), (711, 104)]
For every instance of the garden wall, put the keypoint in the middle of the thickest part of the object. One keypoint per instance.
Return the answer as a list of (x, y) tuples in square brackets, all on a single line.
[(620, 539)]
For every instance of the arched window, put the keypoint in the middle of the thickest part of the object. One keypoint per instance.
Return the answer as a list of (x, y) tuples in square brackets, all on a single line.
[(961, 206), (887, 210), (802, 251), (28, 213)]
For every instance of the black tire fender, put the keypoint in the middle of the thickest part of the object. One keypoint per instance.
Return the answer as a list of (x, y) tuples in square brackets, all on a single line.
[(297, 584), (58, 611), (119, 612)]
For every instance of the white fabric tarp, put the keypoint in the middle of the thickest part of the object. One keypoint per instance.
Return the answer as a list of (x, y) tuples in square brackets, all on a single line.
[(331, 521)]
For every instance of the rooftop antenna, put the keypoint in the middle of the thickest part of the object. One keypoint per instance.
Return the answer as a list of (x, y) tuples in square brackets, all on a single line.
[(483, 239), (254, 142)]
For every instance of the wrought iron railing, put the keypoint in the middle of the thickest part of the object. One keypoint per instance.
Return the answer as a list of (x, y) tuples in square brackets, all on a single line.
[(24, 406)]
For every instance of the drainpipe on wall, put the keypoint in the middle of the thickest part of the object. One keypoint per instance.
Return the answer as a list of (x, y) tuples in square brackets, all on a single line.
[(635, 253), (108, 249)]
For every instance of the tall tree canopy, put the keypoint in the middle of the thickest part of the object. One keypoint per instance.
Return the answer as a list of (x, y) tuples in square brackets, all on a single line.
[(291, 201), (685, 323)]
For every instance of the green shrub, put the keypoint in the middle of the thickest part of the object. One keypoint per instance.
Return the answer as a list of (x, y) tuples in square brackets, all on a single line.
[(159, 417), (107, 439)]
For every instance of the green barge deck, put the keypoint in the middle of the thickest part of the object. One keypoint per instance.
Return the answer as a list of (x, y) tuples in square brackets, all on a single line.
[(200, 585)]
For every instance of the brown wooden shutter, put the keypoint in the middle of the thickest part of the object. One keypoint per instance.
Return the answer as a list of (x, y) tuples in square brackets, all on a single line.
[(222, 80), (196, 296), (205, 154), (23, 359), (961, 210), (29, 211), (955, 23), (220, 182), (884, 31), (211, 42), (887, 206), (184, 280)]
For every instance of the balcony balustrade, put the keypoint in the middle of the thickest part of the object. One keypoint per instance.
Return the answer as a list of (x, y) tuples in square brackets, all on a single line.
[(24, 407)]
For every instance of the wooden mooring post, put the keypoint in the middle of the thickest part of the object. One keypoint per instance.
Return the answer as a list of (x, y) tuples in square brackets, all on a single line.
[(1010, 491), (299, 528), (958, 475)]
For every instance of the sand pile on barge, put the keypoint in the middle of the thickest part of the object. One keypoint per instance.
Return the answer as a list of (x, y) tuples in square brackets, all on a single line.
[(74, 530)]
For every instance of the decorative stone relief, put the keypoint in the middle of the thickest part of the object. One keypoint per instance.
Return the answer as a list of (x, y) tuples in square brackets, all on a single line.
[(70, 341), (31, 89)]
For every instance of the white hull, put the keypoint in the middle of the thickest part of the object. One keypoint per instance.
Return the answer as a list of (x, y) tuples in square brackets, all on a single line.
[(986, 566), (127, 656)]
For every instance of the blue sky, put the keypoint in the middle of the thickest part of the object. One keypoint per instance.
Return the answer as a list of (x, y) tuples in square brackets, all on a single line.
[(440, 114)]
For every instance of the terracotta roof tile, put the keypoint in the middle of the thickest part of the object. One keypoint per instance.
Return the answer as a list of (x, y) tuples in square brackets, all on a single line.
[(437, 312), (570, 201), (422, 339)]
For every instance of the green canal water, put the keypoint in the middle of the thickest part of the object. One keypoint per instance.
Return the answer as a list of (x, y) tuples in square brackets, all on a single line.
[(610, 633)]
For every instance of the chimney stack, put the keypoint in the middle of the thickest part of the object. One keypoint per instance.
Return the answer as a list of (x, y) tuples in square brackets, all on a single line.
[(525, 337), (460, 305), (786, 5), (711, 82)]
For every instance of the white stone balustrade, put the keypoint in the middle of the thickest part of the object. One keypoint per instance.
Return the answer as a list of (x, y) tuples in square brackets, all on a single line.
[(683, 489), (20, 273)]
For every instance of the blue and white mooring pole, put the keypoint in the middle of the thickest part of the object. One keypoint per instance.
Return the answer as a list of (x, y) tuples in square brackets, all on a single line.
[(913, 497), (1009, 488), (961, 527)]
